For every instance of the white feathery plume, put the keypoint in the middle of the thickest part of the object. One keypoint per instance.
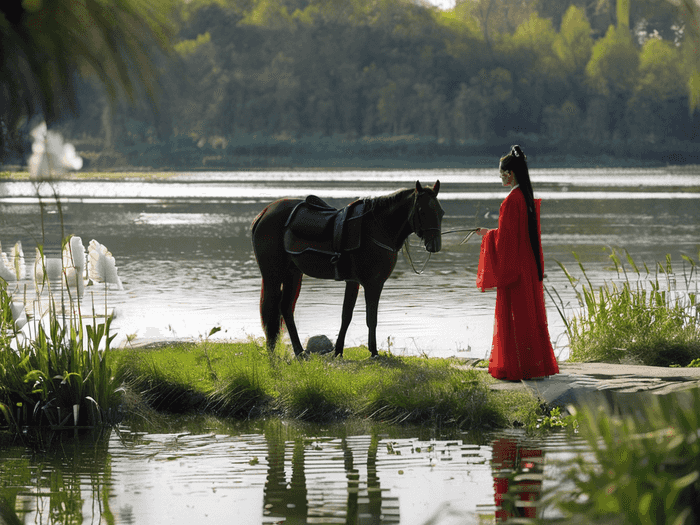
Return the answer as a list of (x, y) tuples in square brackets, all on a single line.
[(74, 265), (50, 155), (17, 260), (7, 271), (46, 269), (101, 265)]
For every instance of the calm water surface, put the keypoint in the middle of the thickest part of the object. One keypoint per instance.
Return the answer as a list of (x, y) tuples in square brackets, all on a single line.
[(183, 248), (184, 255), (278, 473)]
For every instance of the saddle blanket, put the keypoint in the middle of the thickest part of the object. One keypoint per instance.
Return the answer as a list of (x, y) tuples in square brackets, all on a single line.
[(315, 225)]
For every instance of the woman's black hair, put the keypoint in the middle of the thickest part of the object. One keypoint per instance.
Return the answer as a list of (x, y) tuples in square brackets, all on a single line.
[(516, 161)]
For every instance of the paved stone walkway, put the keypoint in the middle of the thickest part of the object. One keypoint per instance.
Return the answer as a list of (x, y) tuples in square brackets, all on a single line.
[(579, 381)]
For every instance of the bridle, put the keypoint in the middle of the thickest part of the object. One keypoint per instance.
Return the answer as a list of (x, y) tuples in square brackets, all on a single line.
[(414, 220)]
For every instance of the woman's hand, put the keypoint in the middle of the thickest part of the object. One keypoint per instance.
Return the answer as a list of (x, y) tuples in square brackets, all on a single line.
[(481, 231)]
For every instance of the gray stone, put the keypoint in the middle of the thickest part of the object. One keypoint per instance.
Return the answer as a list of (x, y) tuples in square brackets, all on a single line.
[(319, 344)]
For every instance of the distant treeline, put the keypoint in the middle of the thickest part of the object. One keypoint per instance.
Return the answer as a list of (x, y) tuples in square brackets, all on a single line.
[(263, 83)]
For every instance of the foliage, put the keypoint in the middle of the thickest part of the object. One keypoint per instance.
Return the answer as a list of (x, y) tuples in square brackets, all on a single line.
[(59, 375), (46, 44), (241, 380), (273, 74), (553, 418), (646, 466), (640, 318)]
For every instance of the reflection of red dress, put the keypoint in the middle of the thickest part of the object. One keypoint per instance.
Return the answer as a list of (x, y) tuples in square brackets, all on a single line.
[(521, 347)]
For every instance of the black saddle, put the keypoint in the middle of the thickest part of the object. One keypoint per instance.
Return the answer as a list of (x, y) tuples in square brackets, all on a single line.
[(315, 225)]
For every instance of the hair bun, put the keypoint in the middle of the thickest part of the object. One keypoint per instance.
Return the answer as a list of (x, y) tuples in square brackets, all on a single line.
[(517, 152)]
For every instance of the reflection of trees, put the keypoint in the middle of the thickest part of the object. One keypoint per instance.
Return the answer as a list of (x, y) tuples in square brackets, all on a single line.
[(312, 489), (517, 479)]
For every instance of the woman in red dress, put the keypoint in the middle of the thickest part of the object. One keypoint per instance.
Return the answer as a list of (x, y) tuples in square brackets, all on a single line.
[(511, 261)]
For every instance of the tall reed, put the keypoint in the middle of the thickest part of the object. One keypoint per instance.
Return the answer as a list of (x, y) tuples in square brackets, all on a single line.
[(56, 373), (641, 317)]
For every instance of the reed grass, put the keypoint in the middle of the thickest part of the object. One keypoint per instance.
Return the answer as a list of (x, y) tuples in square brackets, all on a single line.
[(646, 464), (58, 374), (248, 382), (644, 316)]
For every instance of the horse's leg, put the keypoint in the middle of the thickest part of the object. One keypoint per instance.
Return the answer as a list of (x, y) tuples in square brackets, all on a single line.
[(290, 294), (270, 315), (372, 294), (351, 291)]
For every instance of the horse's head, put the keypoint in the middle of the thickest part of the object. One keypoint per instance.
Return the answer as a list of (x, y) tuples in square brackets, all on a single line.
[(426, 216)]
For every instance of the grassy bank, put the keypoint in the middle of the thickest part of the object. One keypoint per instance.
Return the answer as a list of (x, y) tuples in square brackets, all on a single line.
[(241, 380)]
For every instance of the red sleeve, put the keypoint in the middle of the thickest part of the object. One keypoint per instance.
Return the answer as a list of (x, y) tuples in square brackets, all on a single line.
[(499, 261), (486, 275)]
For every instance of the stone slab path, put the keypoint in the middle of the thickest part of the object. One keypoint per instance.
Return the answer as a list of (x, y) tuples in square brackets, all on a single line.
[(577, 382)]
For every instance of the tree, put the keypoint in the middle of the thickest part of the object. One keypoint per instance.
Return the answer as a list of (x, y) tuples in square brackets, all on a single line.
[(658, 95), (46, 43), (574, 43), (690, 12), (613, 66)]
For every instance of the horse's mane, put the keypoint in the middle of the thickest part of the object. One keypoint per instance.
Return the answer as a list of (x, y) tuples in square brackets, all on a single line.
[(384, 202)]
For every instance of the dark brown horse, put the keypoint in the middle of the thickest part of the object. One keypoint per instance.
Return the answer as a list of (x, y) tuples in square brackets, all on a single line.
[(382, 226)]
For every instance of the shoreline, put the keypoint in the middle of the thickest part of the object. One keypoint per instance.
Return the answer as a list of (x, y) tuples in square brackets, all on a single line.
[(18, 172)]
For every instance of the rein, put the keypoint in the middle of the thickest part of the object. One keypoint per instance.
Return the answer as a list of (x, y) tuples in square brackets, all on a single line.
[(405, 248), (407, 252)]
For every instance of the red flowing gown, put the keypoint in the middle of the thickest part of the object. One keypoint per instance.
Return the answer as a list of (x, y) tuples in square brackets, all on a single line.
[(521, 347)]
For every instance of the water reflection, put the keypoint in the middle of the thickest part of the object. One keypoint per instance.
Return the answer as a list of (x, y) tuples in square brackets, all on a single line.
[(518, 473), (271, 472)]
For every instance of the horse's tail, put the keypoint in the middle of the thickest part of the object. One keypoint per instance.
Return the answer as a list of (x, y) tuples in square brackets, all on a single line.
[(270, 312)]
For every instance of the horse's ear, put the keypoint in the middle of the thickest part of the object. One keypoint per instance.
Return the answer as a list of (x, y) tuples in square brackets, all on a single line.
[(419, 188), (436, 187)]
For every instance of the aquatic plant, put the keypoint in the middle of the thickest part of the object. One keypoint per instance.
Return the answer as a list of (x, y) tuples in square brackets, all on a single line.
[(646, 466), (54, 371), (54, 362), (641, 317)]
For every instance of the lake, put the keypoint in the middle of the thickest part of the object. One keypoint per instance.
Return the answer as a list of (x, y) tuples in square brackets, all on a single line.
[(199, 471), (182, 245), (183, 249)]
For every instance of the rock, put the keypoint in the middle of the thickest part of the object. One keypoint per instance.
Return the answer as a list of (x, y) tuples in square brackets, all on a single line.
[(319, 344)]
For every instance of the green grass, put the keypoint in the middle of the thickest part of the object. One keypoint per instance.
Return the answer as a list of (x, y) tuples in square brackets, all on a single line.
[(642, 317), (243, 381)]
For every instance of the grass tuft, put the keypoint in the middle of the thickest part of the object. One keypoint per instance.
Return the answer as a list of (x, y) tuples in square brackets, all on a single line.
[(642, 317)]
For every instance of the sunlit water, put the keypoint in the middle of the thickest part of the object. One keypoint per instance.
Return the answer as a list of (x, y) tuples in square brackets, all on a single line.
[(183, 247), (278, 473), (184, 256)]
